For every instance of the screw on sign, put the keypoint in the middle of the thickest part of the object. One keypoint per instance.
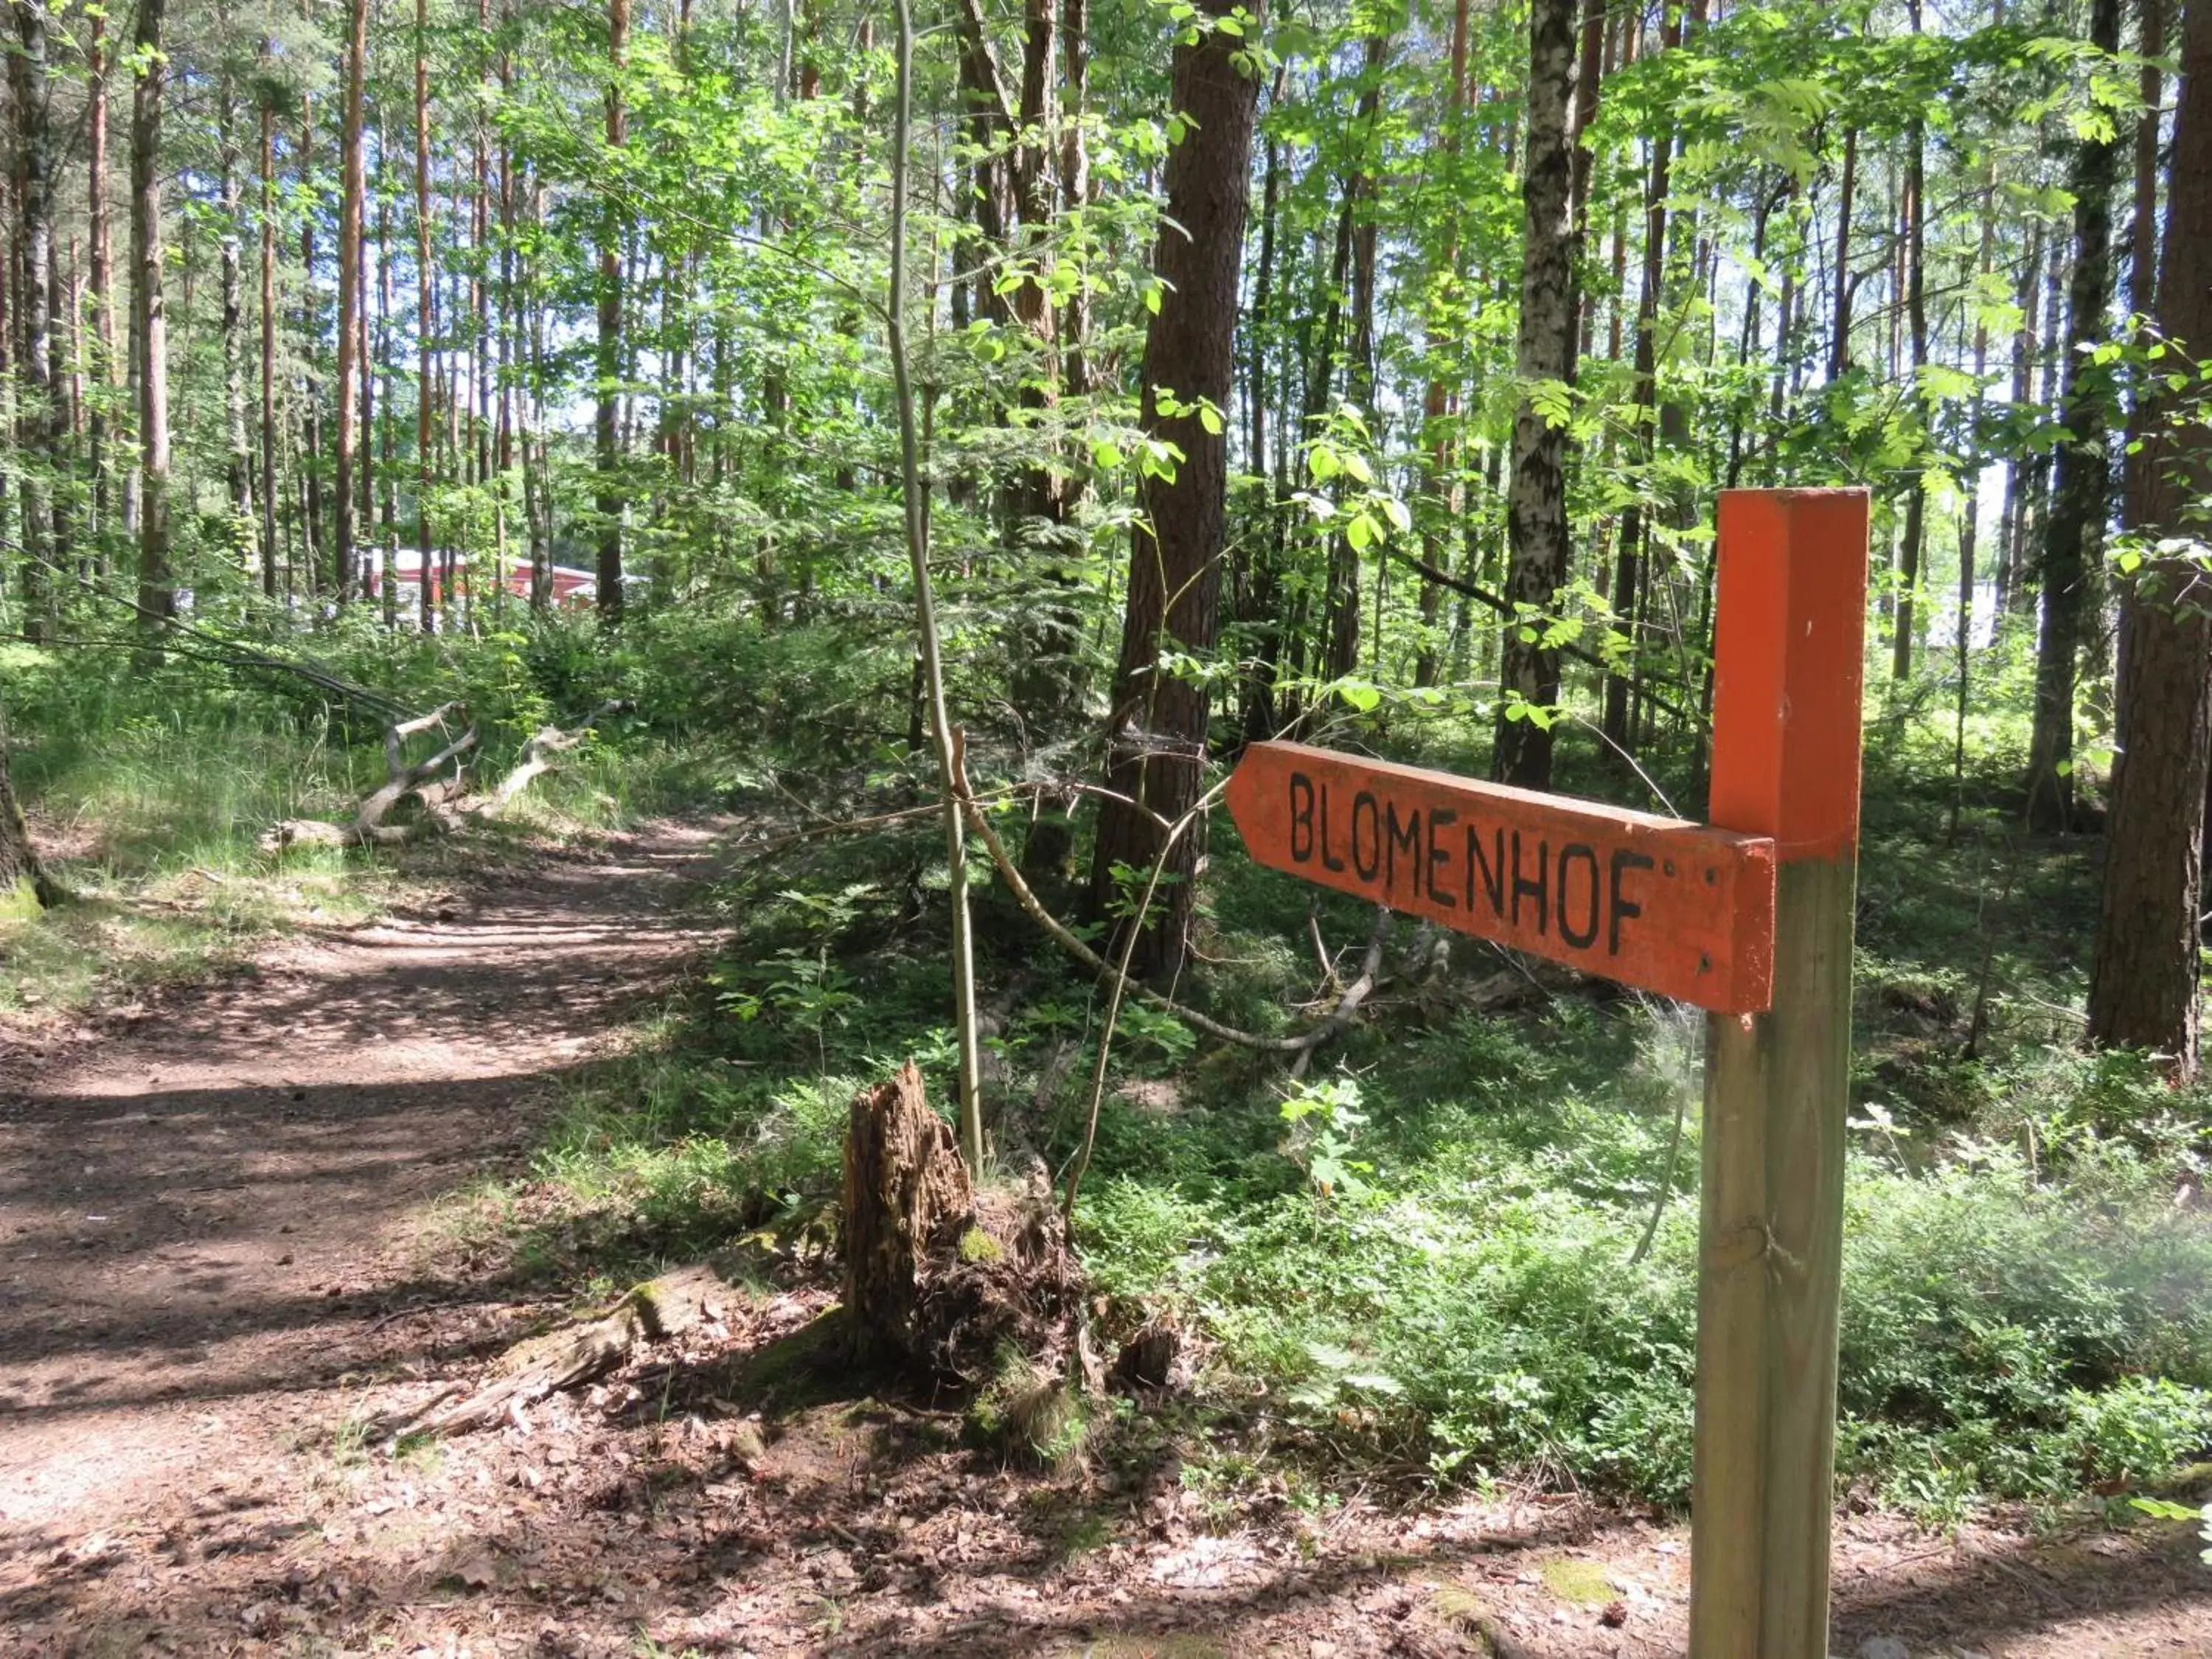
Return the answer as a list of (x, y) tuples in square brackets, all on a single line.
[(1749, 918)]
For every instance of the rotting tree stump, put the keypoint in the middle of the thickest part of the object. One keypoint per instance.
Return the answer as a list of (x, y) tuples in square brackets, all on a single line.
[(952, 1281)]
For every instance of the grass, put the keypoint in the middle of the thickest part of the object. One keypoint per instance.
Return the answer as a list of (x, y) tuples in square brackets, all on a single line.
[(147, 793), (1424, 1260)]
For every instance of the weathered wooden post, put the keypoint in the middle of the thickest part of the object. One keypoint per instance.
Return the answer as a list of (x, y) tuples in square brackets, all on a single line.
[(1749, 917), (1791, 617)]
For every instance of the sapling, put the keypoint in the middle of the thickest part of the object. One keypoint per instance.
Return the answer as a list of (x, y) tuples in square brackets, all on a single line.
[(924, 605)]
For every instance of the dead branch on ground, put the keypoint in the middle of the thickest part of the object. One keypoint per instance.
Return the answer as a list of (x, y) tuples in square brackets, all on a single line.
[(582, 1352), (441, 785)]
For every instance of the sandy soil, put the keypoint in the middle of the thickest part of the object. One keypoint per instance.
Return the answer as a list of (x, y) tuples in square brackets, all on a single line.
[(212, 1262)]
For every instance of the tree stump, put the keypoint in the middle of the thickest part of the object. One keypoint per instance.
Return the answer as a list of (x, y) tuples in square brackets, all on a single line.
[(907, 1198), (956, 1282)]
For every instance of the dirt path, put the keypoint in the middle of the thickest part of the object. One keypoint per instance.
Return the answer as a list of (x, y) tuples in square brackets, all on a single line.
[(205, 1221), (210, 1265)]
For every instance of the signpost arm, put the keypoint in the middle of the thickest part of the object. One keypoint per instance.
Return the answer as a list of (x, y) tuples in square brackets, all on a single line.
[(1786, 746)]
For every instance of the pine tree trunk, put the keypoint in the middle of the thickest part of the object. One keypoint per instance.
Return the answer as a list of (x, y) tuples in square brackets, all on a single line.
[(311, 332), (1840, 348), (387, 507), (1438, 447), (2074, 538), (2143, 990), (102, 255), (157, 596), (353, 190), (1536, 508), (1341, 622), (268, 338), (44, 418), (1156, 728), (1626, 590), (2017, 469), (1914, 253), (237, 463), (424, 282), (610, 499)]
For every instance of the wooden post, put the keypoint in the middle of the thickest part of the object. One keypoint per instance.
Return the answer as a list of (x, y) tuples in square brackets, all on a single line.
[(1788, 665)]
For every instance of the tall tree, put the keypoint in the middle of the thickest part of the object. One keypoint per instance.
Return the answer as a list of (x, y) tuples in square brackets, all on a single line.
[(1628, 563), (607, 431), (1536, 508), (157, 593), (1914, 252), (424, 282), (353, 188), (45, 423), (1156, 728), (1439, 443), (2143, 989), (268, 328), (2073, 535), (238, 464), (102, 289)]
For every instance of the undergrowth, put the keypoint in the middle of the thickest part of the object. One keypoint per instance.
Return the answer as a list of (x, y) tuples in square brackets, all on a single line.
[(1426, 1258)]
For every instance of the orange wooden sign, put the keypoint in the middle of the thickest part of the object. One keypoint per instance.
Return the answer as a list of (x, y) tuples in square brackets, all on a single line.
[(1668, 906)]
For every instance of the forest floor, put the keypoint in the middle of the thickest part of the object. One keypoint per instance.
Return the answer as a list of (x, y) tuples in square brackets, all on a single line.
[(224, 1252)]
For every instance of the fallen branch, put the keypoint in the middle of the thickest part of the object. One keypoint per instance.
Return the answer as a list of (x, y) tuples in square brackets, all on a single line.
[(1371, 974), (538, 755), (581, 1353), (446, 800)]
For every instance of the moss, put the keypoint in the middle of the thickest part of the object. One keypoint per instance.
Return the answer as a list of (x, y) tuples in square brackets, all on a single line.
[(1027, 1414), (20, 902), (1579, 1583), (976, 1245)]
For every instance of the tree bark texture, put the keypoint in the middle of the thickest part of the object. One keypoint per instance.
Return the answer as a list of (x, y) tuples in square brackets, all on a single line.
[(1158, 724), (353, 188), (2073, 535), (2143, 990), (45, 418), (1536, 506), (608, 503), (157, 597)]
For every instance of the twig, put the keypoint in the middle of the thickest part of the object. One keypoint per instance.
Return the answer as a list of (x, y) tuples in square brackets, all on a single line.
[(1058, 931), (1370, 970)]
